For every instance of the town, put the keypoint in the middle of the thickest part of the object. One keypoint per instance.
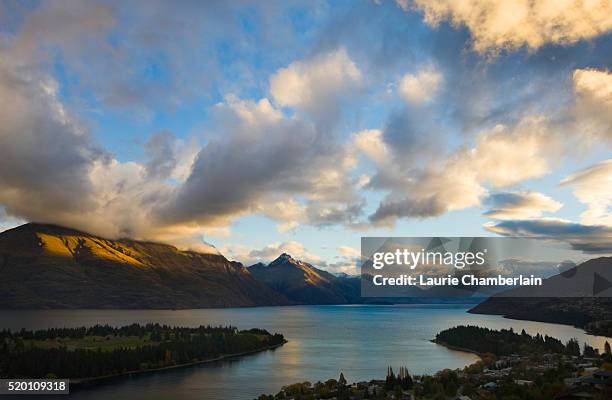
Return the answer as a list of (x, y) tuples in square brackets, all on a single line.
[(532, 373)]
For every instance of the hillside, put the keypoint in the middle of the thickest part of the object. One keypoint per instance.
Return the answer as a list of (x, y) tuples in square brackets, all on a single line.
[(46, 266), (302, 283), (586, 301)]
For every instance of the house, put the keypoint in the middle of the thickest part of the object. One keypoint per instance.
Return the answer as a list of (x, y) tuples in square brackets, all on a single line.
[(492, 386), (603, 375)]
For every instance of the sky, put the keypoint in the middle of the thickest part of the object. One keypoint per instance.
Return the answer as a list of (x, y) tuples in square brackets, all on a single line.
[(301, 126)]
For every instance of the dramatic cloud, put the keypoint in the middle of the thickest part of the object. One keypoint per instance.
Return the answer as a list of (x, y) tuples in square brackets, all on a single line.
[(257, 160), (520, 205), (52, 171), (45, 153), (508, 25), (231, 113), (420, 87), (500, 157), (594, 104), (261, 161), (593, 187)]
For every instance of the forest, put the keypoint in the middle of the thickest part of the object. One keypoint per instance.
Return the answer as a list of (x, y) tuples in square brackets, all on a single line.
[(103, 350), (506, 341)]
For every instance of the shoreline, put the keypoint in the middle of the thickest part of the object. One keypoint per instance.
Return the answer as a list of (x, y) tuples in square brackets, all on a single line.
[(457, 348), (87, 382), (588, 332), (382, 303), (514, 318)]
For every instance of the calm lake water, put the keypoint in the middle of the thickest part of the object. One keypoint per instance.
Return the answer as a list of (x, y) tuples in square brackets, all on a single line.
[(361, 341)]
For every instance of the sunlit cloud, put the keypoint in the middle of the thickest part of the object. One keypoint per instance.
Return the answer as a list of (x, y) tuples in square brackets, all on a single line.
[(593, 187), (314, 85), (593, 90), (421, 87), (502, 156), (345, 120), (509, 25), (520, 205)]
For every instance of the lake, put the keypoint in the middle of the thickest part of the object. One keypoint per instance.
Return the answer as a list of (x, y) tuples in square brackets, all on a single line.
[(360, 340)]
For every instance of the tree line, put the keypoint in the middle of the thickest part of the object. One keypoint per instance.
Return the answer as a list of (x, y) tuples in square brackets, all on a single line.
[(507, 342), (22, 355)]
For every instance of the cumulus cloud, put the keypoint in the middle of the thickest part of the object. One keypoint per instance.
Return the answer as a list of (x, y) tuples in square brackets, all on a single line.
[(593, 187), (257, 160), (288, 168), (262, 162), (45, 153), (509, 154), (371, 143), (51, 170), (502, 156), (520, 205), (509, 25), (314, 85), (279, 155), (420, 87), (290, 212), (593, 90)]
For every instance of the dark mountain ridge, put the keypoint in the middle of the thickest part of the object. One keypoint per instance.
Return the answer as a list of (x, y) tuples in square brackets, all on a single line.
[(580, 296), (302, 283), (48, 266)]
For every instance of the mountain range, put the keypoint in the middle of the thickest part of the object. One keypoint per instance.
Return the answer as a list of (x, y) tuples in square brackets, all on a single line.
[(48, 266), (580, 296), (305, 284)]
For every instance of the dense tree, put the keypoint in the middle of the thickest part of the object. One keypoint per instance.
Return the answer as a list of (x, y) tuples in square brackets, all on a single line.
[(506, 342), (179, 346), (589, 351)]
